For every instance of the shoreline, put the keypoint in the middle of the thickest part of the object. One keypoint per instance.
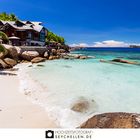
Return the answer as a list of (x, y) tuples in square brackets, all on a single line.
[(16, 111), (17, 108)]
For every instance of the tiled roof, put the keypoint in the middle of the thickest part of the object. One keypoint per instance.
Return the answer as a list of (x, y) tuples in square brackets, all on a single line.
[(36, 26)]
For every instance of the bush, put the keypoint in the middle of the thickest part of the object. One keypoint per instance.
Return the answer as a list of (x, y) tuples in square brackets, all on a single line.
[(2, 49), (53, 37), (8, 17), (4, 37)]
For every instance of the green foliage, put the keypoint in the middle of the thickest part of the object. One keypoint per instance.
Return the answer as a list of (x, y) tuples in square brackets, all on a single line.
[(2, 49), (4, 37), (53, 37), (8, 17)]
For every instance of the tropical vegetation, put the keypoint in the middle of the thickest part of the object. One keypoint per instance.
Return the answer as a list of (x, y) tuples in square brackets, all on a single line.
[(2, 49), (4, 37), (51, 37), (8, 17)]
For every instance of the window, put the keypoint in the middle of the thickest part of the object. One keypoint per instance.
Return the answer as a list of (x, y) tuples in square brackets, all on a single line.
[(42, 35)]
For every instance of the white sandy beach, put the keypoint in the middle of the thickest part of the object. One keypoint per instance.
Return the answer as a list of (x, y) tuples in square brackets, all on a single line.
[(16, 111)]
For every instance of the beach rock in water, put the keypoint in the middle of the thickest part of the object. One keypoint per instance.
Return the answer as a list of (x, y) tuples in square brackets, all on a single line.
[(10, 62), (81, 105), (12, 51), (113, 120), (124, 61), (3, 65), (38, 59), (76, 56), (39, 65), (83, 57), (29, 55)]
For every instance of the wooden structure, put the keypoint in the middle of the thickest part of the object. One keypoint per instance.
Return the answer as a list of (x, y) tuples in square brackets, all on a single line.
[(40, 50), (29, 33)]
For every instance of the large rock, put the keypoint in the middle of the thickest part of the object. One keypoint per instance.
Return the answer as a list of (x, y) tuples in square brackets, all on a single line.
[(38, 59), (12, 51), (3, 51), (124, 61), (113, 120), (54, 52), (18, 50), (51, 57), (46, 55), (29, 55), (3, 65), (10, 62)]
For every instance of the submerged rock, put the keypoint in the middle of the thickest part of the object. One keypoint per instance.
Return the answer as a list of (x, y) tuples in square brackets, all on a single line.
[(67, 66), (113, 120), (30, 66), (80, 106), (83, 105), (7, 73), (38, 60), (124, 61), (39, 65), (75, 56)]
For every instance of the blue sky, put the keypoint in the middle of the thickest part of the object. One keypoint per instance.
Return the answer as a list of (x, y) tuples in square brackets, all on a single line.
[(82, 21)]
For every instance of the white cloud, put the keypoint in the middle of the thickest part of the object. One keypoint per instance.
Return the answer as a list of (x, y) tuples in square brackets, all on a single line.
[(111, 43), (80, 45), (106, 43)]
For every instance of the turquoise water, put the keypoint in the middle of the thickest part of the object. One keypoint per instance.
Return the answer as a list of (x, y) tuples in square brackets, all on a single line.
[(113, 87)]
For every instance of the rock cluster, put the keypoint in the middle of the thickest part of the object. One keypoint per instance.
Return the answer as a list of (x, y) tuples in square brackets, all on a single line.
[(9, 57), (13, 55), (74, 56), (7, 63)]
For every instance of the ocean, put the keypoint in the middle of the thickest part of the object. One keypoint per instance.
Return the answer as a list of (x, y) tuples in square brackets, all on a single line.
[(106, 87)]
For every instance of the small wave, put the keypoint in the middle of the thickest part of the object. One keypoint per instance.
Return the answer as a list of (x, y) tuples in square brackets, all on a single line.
[(38, 94)]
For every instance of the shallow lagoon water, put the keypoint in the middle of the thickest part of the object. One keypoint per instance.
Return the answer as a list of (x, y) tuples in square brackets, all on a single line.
[(112, 87)]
